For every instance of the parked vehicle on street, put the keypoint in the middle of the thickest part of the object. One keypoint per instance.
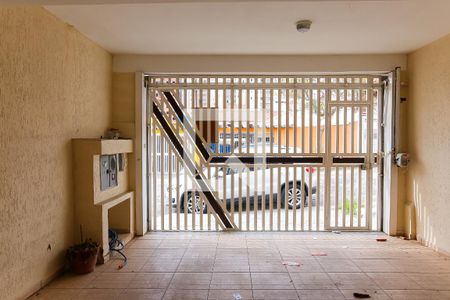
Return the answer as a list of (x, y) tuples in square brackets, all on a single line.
[(255, 182)]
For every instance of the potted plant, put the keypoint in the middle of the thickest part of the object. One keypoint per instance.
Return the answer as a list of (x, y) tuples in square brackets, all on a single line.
[(82, 257)]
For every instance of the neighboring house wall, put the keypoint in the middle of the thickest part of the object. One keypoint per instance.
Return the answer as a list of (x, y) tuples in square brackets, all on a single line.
[(55, 85), (306, 138), (428, 178)]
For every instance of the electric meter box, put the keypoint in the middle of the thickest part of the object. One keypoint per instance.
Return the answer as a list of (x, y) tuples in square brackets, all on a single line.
[(108, 171)]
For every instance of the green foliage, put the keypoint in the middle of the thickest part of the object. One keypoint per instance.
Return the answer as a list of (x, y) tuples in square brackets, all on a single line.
[(348, 204)]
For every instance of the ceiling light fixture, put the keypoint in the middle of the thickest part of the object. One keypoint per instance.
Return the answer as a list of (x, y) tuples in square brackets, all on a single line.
[(304, 25)]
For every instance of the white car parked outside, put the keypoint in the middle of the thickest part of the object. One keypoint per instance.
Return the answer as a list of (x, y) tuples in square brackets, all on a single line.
[(253, 181)]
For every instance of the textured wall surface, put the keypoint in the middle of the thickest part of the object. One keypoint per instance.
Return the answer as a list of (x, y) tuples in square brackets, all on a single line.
[(429, 142), (123, 98), (55, 85), (256, 63), (123, 114)]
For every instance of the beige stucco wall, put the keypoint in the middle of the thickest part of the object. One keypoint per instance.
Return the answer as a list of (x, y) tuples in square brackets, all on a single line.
[(123, 113), (257, 63), (428, 179), (123, 98), (55, 85)]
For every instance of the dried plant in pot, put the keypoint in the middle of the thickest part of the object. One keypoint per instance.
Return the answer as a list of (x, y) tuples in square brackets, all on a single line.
[(82, 257)]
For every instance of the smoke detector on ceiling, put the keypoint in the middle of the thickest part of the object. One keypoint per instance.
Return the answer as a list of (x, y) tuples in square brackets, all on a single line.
[(304, 26)]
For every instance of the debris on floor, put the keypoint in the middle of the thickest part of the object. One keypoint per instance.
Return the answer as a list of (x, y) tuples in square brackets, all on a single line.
[(361, 295), (336, 232), (319, 253), (291, 263), (237, 296), (381, 239)]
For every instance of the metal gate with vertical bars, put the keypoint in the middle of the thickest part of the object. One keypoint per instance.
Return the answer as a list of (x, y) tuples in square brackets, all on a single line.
[(262, 153)]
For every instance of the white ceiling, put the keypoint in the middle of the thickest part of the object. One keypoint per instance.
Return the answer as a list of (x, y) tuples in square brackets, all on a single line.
[(260, 27)]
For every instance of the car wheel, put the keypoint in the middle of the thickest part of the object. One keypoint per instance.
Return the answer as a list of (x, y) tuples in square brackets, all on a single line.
[(194, 203), (295, 197)]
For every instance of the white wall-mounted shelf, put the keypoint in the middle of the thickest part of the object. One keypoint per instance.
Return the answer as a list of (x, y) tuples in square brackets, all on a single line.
[(105, 146), (98, 210)]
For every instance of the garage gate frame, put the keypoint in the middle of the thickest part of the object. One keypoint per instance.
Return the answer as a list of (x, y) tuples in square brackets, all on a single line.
[(225, 110)]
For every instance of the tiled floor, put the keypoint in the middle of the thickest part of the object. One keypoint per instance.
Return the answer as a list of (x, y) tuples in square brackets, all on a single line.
[(250, 266)]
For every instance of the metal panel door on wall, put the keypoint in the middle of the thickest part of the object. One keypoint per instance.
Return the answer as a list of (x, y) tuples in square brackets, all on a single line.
[(290, 153)]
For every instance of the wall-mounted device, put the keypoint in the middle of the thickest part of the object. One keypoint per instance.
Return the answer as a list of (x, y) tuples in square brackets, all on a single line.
[(108, 171), (402, 160), (122, 162)]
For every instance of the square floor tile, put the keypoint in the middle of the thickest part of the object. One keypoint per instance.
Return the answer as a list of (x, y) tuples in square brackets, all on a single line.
[(230, 294), (138, 252), (444, 294), (56, 294), (275, 294), (229, 281), (142, 294), (100, 294), (268, 266), (306, 265), (394, 281), (112, 281), (133, 264), (151, 281), (431, 281), (237, 267), (196, 267), (160, 265), (172, 294), (191, 281), (320, 294), (413, 295), (73, 281), (338, 265), (348, 281), (375, 265), (312, 281), (168, 253), (145, 244), (271, 281)]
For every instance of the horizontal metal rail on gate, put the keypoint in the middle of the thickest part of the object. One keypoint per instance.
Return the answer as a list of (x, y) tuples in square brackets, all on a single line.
[(349, 160), (266, 159)]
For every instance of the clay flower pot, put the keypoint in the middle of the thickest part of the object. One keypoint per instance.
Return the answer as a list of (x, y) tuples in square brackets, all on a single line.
[(82, 258)]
